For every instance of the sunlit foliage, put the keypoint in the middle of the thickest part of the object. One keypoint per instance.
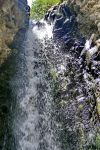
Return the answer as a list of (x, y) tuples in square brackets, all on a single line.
[(39, 7)]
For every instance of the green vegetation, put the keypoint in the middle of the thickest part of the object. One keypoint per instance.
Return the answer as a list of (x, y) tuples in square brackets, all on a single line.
[(53, 74), (98, 141), (39, 7)]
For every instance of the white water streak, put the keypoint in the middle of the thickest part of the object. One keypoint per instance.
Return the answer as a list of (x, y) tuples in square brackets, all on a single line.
[(27, 116)]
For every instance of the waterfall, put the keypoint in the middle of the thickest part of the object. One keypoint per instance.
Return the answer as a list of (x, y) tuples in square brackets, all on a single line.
[(50, 84), (33, 125), (54, 92)]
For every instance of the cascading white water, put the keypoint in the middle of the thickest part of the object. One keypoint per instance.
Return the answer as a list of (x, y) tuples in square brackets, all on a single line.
[(33, 129)]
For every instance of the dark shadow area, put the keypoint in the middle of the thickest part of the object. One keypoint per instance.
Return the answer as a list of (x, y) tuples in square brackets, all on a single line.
[(7, 101)]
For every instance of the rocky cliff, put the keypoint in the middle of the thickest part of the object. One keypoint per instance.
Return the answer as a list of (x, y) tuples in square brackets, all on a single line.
[(13, 16), (77, 89), (88, 15)]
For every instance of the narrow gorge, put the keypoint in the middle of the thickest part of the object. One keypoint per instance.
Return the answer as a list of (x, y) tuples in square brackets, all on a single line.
[(50, 76)]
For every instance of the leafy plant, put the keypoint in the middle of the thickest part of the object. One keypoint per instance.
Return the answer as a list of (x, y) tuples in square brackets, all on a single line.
[(39, 8)]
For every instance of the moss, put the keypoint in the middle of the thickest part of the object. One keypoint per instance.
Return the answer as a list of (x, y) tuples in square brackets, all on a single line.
[(81, 135), (80, 107), (98, 105), (53, 74), (98, 141)]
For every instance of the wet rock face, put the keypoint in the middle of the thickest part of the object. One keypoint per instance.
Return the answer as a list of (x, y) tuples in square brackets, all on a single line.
[(85, 12), (76, 91), (13, 16), (64, 20), (65, 27)]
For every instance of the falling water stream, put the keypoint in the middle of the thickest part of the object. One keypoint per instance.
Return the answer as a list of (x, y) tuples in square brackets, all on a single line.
[(32, 127)]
